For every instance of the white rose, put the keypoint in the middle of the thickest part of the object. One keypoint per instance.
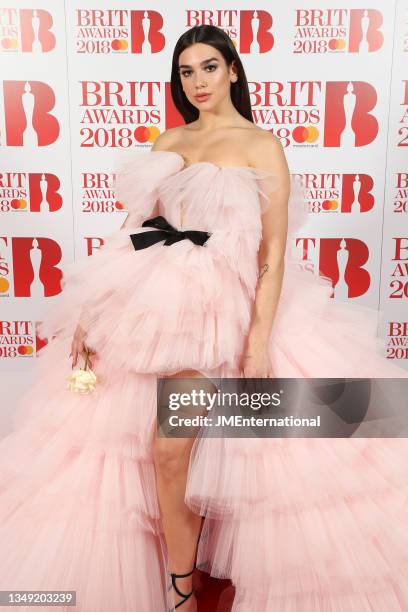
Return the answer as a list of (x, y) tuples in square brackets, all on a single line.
[(82, 381)]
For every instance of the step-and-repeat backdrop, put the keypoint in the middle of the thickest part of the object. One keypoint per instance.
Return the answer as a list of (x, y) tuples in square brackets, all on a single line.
[(83, 83)]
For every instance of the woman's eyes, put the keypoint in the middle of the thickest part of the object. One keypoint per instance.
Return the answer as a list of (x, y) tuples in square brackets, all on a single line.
[(186, 73)]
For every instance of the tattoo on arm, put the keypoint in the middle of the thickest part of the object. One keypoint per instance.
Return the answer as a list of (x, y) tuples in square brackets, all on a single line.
[(264, 269)]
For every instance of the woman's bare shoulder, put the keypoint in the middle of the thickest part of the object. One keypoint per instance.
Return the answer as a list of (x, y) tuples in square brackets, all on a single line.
[(167, 141), (261, 136), (265, 149)]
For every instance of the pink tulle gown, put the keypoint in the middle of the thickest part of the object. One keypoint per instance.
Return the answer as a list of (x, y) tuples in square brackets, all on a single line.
[(299, 525)]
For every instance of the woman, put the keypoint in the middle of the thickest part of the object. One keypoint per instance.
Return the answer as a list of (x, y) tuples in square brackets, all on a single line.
[(201, 85), (123, 515)]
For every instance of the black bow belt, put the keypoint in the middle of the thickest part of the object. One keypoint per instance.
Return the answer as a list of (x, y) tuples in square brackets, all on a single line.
[(165, 232)]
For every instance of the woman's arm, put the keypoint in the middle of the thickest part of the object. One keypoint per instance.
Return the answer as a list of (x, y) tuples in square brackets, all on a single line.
[(267, 153)]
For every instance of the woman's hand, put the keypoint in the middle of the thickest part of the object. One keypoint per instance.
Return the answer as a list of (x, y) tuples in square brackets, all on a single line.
[(78, 346), (257, 364)]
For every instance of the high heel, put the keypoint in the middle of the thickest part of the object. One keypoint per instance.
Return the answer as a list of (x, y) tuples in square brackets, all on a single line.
[(173, 584)]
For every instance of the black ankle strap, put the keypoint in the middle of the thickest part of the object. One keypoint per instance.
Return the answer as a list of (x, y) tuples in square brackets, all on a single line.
[(173, 581), (180, 603), (183, 575)]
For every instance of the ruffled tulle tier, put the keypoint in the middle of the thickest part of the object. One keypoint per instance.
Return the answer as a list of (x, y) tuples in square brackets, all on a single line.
[(315, 335), (158, 310), (285, 519), (304, 524), (79, 509), (259, 476)]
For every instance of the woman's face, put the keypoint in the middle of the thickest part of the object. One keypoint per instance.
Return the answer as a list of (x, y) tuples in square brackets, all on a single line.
[(203, 70)]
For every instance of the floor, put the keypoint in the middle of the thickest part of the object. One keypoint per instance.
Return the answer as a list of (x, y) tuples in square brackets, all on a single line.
[(212, 595)]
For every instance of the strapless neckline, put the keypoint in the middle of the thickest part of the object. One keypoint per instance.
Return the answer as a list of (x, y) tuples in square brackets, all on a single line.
[(209, 163)]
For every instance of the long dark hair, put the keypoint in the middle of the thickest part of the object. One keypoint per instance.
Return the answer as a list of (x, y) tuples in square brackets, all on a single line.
[(210, 35)]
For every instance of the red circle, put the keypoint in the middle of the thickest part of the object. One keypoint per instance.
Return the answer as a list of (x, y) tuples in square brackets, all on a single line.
[(326, 205), (300, 134), (333, 44), (15, 203), (22, 350), (116, 44), (6, 43), (142, 134), (118, 205)]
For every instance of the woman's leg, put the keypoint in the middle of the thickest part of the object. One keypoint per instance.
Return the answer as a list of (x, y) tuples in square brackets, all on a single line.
[(181, 525)]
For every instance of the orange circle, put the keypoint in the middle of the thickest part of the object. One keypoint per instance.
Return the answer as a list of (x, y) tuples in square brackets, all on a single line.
[(124, 45), (334, 205), (312, 134), (341, 43), (154, 133), (29, 350), (23, 203), (4, 285)]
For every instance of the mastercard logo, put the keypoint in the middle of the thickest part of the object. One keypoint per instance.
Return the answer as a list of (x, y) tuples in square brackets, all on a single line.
[(330, 204), (337, 44), (146, 134), (18, 204), (305, 134), (25, 350), (119, 45), (9, 43)]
